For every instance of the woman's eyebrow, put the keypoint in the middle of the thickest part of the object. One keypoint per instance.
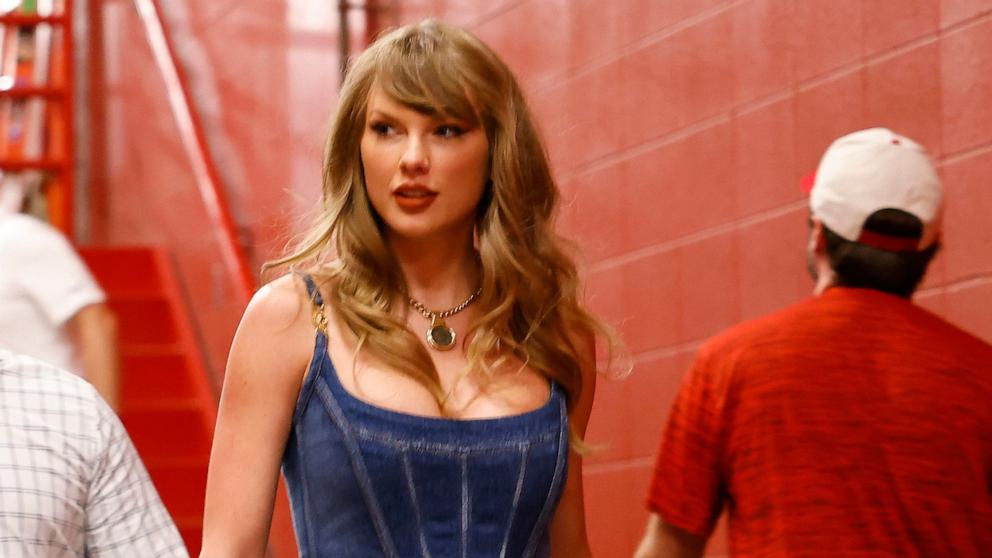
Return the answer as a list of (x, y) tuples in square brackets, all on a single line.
[(382, 113)]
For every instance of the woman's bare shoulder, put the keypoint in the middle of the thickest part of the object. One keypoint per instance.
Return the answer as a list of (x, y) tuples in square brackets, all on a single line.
[(277, 327), (284, 302)]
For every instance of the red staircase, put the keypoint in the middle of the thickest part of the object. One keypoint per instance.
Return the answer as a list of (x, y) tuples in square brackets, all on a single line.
[(168, 405)]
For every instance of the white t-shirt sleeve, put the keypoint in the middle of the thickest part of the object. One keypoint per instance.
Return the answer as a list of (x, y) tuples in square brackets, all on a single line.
[(48, 268)]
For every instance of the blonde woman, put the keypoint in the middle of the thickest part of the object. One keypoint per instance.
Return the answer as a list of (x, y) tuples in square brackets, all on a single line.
[(421, 384)]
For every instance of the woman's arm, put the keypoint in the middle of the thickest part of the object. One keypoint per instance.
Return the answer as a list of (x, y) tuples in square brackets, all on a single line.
[(268, 359), (568, 527)]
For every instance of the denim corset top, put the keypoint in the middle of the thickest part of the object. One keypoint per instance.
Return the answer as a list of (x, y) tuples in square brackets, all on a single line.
[(365, 481)]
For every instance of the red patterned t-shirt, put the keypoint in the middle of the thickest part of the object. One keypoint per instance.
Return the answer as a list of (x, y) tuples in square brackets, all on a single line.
[(851, 424)]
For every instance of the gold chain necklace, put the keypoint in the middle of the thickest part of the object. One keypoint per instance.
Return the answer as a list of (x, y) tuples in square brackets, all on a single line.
[(439, 335)]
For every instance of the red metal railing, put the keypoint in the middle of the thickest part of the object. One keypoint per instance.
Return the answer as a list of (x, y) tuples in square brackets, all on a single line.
[(195, 144), (281, 540)]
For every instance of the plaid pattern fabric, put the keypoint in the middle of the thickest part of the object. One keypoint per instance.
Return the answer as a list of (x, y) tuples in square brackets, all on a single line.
[(71, 482)]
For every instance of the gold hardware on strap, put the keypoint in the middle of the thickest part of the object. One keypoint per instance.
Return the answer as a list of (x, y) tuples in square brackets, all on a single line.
[(319, 318)]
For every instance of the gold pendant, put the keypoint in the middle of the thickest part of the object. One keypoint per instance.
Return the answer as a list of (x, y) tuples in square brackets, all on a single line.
[(440, 336)]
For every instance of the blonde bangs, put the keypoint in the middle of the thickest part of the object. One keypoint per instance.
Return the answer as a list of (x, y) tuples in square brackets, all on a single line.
[(427, 77)]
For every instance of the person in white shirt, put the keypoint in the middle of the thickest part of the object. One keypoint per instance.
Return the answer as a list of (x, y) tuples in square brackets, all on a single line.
[(71, 483), (51, 308)]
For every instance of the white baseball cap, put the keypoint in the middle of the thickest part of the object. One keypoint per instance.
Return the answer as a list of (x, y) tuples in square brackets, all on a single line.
[(871, 170)]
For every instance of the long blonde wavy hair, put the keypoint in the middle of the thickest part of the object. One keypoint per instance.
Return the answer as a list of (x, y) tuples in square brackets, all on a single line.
[(530, 306)]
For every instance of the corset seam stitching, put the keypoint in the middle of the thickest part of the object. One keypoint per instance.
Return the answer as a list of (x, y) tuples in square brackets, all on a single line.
[(524, 451), (360, 472), (408, 473), (449, 450), (315, 366), (305, 485), (466, 504), (310, 383), (541, 523)]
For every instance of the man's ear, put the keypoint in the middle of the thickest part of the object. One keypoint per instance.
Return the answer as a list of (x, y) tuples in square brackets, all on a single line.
[(818, 238)]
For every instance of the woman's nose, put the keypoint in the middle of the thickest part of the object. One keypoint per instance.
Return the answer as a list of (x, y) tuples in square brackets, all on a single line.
[(415, 159)]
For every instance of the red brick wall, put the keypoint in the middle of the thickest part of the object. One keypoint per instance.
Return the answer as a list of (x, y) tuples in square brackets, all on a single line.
[(679, 131)]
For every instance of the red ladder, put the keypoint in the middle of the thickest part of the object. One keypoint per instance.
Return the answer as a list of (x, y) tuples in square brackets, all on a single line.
[(36, 101)]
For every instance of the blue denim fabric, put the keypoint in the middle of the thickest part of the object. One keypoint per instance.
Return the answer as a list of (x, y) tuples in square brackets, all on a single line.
[(365, 481)]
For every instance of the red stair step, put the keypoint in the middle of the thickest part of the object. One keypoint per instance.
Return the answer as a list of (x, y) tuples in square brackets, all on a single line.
[(144, 320), (121, 270), (191, 530), (167, 432), (181, 486), (151, 376)]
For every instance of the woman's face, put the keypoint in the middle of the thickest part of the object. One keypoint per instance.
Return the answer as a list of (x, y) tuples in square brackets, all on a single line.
[(424, 174)]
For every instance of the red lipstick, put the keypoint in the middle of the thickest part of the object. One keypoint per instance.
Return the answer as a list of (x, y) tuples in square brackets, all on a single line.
[(414, 197)]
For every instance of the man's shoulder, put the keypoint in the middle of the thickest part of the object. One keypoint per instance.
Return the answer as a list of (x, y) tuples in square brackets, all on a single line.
[(778, 324), (17, 224), (20, 233), (850, 318), (54, 413), (29, 378)]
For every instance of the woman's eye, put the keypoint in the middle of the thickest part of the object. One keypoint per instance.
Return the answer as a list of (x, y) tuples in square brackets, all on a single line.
[(382, 129), (449, 131)]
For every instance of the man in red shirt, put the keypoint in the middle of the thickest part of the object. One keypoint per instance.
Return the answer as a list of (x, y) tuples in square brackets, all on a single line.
[(853, 423)]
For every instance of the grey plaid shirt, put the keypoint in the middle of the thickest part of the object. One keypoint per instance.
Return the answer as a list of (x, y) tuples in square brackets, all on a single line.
[(71, 483)]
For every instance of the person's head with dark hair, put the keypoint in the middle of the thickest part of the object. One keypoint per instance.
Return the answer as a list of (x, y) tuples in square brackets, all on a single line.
[(875, 207)]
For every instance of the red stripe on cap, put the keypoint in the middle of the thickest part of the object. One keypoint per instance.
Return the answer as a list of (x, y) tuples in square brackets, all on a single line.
[(807, 182), (889, 243)]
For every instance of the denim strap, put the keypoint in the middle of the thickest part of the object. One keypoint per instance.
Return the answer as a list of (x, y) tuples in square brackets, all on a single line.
[(318, 316)]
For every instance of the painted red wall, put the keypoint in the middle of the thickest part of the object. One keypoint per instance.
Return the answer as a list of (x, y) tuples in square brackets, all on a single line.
[(678, 129)]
